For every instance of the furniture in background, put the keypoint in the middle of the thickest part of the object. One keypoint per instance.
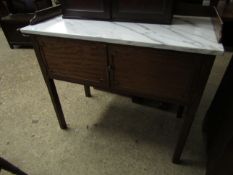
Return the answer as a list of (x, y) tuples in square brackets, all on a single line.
[(149, 11), (218, 128), (20, 14), (3, 9), (131, 10), (4, 164), (57, 2), (225, 9), (219, 121)]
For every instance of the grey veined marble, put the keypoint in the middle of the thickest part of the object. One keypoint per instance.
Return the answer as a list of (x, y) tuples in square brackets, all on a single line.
[(188, 34)]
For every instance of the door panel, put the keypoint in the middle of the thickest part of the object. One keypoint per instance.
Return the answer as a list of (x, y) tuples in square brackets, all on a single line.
[(96, 9), (158, 11), (81, 61), (154, 73)]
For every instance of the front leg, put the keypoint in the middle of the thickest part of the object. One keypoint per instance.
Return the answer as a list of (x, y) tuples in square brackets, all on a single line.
[(87, 91), (56, 102), (50, 85), (184, 132)]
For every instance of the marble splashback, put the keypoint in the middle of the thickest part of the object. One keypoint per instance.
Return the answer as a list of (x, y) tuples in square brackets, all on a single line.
[(188, 34)]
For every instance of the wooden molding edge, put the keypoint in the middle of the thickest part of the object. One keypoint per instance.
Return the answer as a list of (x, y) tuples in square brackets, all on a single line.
[(45, 14)]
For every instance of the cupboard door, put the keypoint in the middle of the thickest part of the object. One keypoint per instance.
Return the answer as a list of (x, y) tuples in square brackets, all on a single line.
[(154, 73), (152, 11), (74, 60), (95, 9)]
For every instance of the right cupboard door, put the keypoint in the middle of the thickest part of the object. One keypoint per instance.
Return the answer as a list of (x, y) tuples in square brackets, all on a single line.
[(152, 11), (154, 73)]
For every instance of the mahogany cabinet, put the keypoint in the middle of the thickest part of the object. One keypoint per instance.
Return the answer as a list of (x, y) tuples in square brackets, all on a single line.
[(132, 70), (170, 76), (94, 9), (151, 11)]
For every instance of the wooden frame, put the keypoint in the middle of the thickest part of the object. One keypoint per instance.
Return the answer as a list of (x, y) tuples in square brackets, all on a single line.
[(202, 66)]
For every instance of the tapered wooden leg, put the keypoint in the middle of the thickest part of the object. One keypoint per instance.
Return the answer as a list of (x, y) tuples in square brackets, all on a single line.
[(50, 85), (180, 112), (56, 103), (184, 132), (87, 91), (10, 167), (192, 107)]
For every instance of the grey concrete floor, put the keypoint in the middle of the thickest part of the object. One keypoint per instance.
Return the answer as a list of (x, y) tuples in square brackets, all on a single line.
[(108, 135)]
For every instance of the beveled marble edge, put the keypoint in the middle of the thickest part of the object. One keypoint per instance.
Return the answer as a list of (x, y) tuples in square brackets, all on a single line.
[(187, 34)]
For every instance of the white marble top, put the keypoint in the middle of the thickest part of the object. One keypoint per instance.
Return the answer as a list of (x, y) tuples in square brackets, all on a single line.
[(188, 34)]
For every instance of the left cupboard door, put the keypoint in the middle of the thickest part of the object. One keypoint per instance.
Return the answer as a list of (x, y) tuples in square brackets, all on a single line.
[(75, 61)]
